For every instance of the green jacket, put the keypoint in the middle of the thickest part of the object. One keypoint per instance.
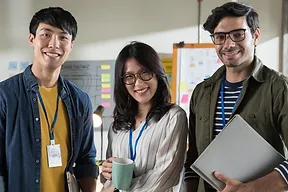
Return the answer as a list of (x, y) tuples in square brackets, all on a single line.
[(262, 103)]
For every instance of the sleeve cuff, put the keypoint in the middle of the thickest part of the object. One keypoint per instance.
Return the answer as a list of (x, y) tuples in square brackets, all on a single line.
[(283, 170), (190, 175)]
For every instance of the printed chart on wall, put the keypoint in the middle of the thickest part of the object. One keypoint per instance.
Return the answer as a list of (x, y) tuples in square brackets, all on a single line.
[(95, 78), (193, 63)]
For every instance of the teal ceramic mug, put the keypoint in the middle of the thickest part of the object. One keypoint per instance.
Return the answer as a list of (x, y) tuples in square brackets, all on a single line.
[(122, 173)]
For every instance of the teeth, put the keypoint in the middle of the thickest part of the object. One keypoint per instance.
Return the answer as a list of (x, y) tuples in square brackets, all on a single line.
[(231, 53), (141, 91), (52, 54)]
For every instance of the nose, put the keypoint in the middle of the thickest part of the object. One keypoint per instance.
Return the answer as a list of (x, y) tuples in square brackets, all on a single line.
[(138, 79), (54, 42), (229, 43)]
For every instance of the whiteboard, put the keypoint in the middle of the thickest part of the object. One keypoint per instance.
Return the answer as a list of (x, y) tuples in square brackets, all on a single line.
[(193, 66)]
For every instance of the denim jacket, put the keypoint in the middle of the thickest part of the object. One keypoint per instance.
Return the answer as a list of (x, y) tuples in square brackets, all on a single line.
[(20, 132)]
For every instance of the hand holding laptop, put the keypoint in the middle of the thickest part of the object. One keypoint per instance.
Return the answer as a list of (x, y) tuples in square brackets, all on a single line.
[(249, 156)]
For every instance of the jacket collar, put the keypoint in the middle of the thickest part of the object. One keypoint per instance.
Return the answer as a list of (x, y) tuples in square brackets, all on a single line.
[(31, 83)]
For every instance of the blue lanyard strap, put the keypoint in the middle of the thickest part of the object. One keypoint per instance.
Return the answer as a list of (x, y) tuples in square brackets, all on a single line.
[(222, 102), (51, 129), (133, 155)]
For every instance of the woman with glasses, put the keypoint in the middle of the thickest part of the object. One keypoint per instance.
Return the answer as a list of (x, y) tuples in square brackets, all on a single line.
[(147, 127)]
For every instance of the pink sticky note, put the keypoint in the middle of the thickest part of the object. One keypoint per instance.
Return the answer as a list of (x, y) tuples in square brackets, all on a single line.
[(105, 90), (106, 104), (184, 98)]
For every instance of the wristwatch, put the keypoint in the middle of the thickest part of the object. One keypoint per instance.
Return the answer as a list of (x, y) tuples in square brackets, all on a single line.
[(116, 190)]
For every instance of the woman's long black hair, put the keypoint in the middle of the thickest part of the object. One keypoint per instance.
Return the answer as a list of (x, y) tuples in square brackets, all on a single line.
[(126, 107)]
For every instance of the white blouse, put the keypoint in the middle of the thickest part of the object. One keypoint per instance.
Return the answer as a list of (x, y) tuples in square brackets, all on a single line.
[(160, 151)]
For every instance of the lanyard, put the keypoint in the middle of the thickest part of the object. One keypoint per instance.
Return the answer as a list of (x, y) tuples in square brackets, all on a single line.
[(51, 129), (133, 155), (222, 103)]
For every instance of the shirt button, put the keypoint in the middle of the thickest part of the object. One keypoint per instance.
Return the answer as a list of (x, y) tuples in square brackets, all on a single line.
[(34, 99), (37, 140), (37, 180), (36, 119), (37, 161)]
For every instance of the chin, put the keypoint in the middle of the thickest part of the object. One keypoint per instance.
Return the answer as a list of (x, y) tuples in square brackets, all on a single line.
[(53, 65), (143, 101)]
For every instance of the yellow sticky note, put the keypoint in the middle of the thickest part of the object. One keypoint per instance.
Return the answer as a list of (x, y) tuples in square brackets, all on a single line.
[(105, 75), (105, 67), (105, 80), (105, 96), (182, 86), (106, 85)]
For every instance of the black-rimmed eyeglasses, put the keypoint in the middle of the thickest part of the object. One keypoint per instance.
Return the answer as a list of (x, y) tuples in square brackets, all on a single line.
[(235, 35), (144, 75)]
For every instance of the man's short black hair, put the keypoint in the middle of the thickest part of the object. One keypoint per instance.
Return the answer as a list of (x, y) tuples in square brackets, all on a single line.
[(232, 9), (56, 17)]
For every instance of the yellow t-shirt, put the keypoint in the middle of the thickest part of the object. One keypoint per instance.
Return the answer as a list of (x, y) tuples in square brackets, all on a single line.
[(53, 179)]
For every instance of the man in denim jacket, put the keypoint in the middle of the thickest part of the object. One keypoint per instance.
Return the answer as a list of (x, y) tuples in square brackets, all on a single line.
[(45, 120)]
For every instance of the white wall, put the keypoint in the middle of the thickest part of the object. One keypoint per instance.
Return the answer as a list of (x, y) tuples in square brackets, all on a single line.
[(106, 26)]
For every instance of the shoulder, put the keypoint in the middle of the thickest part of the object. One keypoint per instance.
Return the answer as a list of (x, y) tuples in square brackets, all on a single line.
[(176, 109), (7, 83), (74, 91), (80, 100), (12, 85), (175, 112), (275, 78)]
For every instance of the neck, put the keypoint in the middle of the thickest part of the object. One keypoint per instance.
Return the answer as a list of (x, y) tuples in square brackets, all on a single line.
[(46, 77), (143, 110), (237, 74)]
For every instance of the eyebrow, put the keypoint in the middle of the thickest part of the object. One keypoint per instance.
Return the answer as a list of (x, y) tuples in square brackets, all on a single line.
[(140, 70), (228, 31), (51, 31)]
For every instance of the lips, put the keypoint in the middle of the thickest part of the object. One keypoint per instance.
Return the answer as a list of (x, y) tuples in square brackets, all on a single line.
[(50, 54), (141, 90), (230, 54)]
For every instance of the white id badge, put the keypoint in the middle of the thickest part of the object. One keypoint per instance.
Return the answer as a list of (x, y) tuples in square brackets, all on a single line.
[(54, 156)]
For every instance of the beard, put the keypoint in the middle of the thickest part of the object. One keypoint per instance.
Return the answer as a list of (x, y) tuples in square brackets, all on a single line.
[(230, 57)]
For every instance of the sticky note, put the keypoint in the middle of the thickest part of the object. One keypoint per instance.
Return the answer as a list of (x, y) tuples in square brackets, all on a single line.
[(105, 67), (23, 65), (12, 65), (184, 98), (105, 77), (105, 85), (105, 90), (105, 96), (105, 104), (182, 86), (192, 65)]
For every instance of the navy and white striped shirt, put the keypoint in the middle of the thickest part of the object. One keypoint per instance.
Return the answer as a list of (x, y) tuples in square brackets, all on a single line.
[(231, 94)]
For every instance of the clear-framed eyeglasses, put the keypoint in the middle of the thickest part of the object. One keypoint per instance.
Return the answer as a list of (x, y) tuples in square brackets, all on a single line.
[(235, 35), (130, 78)]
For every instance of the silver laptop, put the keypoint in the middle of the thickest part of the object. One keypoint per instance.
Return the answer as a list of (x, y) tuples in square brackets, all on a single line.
[(238, 152)]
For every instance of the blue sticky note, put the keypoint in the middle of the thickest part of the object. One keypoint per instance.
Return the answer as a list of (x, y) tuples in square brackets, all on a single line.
[(12, 66), (23, 65)]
